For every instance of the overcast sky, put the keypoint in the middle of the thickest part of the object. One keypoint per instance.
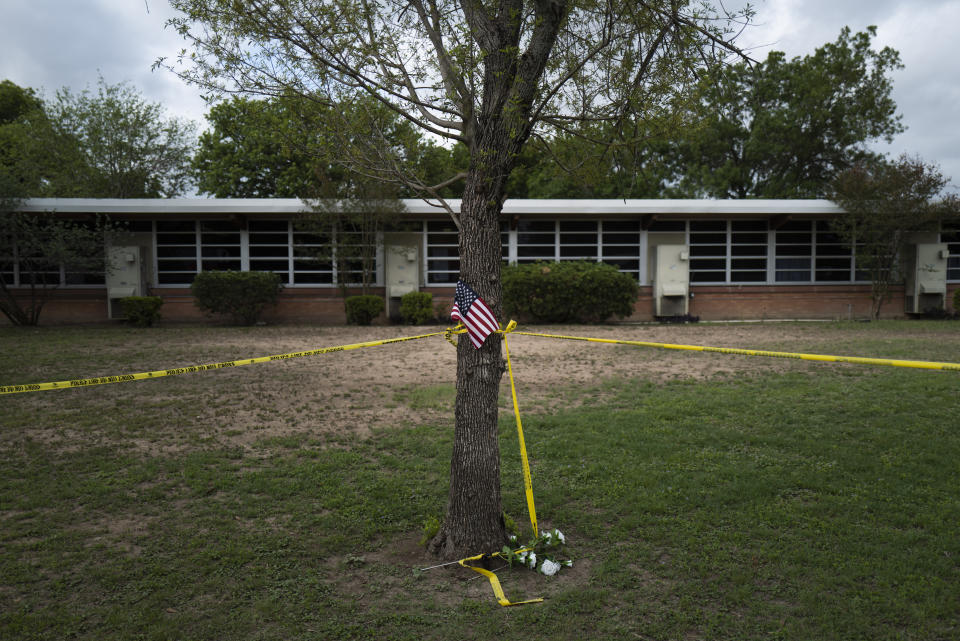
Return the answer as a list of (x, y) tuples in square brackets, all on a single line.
[(48, 44)]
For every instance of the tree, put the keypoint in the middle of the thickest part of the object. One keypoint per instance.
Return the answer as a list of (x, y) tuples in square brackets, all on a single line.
[(37, 158), (884, 203), (487, 75), (131, 150), (37, 251), (253, 150), (352, 226), (282, 148), (785, 128), (112, 144)]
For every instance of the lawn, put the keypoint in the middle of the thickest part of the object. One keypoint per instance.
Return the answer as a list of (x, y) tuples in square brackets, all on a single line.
[(788, 500)]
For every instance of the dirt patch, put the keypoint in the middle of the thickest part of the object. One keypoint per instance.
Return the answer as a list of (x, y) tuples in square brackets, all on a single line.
[(349, 394)]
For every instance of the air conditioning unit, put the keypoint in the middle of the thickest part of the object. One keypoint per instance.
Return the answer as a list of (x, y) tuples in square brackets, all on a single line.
[(671, 281), (925, 280), (126, 276)]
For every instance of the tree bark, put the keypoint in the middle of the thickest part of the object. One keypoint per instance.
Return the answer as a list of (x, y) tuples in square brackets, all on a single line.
[(474, 519)]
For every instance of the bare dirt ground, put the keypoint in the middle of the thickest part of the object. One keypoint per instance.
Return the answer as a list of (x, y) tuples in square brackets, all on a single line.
[(353, 392), (349, 394)]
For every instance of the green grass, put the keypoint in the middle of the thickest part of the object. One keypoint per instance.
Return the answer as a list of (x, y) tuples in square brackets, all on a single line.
[(818, 503)]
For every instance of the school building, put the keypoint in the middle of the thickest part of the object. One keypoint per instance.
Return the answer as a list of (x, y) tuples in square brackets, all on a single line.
[(713, 259)]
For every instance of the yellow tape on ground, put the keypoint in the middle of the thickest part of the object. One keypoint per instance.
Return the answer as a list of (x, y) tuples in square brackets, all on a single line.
[(494, 583), (757, 352), (123, 378)]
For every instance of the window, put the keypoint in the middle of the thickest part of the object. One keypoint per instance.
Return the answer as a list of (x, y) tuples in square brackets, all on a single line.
[(708, 251), (620, 245), (18, 268), (793, 245), (748, 251), (349, 271), (8, 261), (176, 252), (952, 238), (578, 240), (311, 258), (834, 260), (536, 240), (219, 245), (270, 247), (443, 253), (808, 251)]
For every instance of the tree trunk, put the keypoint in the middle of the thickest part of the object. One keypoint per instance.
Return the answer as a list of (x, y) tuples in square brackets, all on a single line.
[(474, 518)]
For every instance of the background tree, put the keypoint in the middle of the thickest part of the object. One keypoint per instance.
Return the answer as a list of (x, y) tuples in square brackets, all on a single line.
[(284, 148), (884, 203), (255, 149), (111, 144), (487, 75), (130, 149), (37, 158), (38, 251), (785, 128)]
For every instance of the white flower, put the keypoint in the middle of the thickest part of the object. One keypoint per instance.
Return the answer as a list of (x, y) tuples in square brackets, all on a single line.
[(532, 561), (522, 557), (560, 536), (568, 563), (549, 567)]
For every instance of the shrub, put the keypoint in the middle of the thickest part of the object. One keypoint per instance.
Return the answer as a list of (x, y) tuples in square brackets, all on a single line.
[(141, 311), (567, 292), (416, 308), (361, 310), (239, 295)]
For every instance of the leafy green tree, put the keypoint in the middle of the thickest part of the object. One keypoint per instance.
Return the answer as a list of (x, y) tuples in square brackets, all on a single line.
[(884, 203), (587, 165), (108, 144), (16, 102), (784, 128), (486, 75), (131, 150), (284, 148), (37, 158), (254, 150)]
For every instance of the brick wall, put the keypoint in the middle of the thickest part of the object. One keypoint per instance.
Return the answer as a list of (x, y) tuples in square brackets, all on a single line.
[(325, 305)]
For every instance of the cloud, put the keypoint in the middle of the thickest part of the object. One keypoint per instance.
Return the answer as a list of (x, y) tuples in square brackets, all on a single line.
[(50, 44)]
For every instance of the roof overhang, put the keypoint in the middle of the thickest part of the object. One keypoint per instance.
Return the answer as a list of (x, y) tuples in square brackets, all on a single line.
[(419, 208)]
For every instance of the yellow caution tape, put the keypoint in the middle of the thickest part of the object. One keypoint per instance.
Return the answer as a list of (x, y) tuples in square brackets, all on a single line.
[(123, 378), (757, 352), (527, 481), (494, 583)]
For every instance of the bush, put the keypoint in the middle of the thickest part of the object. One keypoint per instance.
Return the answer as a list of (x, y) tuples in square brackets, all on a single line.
[(141, 311), (568, 292), (239, 295), (361, 310), (416, 308)]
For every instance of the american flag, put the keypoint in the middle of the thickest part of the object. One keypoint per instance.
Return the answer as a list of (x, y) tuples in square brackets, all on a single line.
[(469, 309)]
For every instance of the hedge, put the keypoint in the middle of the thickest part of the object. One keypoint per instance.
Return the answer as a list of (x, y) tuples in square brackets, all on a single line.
[(239, 295), (567, 292)]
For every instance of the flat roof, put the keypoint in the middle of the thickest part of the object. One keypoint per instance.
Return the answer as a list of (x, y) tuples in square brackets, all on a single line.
[(564, 207)]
